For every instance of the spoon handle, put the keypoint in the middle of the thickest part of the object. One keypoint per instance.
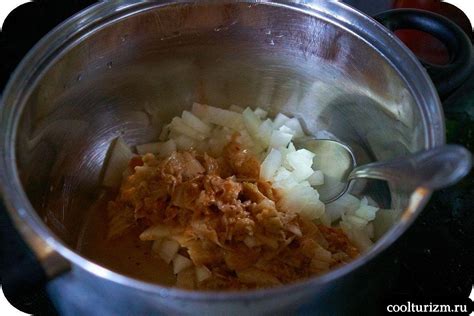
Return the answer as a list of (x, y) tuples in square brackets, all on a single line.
[(433, 169)]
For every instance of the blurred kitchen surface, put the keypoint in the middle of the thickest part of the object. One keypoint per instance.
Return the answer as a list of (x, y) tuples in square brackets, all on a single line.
[(371, 7)]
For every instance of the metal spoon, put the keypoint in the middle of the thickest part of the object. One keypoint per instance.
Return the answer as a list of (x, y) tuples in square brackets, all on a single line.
[(433, 169)]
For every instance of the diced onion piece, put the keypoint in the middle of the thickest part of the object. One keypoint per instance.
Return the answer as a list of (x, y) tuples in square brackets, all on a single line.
[(280, 120), (195, 123), (366, 211), (359, 237), (384, 220), (304, 200), (306, 184), (280, 139), (180, 263), (286, 129), (169, 249), (317, 178), (323, 254), (261, 113), (331, 187), (184, 142), (265, 132), (270, 165), (248, 142), (151, 148), (300, 158), (155, 232), (285, 184), (251, 122), (156, 246), (295, 230), (302, 172), (236, 108), (281, 174), (162, 149), (178, 126), (167, 148), (202, 273), (295, 126), (118, 160), (356, 221), (218, 116), (347, 203)]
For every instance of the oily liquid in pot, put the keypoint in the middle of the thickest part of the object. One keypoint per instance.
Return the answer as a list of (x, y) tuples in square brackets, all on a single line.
[(127, 254)]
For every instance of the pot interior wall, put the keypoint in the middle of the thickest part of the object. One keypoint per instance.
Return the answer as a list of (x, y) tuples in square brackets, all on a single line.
[(133, 75)]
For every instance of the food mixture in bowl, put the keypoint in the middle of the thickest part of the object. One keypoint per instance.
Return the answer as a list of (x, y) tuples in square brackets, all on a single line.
[(227, 202)]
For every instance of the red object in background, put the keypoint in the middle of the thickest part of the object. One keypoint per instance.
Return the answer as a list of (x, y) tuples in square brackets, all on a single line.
[(424, 45)]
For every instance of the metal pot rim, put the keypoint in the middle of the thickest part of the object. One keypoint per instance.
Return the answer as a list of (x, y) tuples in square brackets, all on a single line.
[(76, 28)]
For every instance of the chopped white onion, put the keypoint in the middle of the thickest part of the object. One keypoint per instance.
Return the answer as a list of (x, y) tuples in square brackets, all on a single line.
[(184, 143), (119, 156), (167, 148), (343, 205), (359, 237), (303, 200), (270, 165), (366, 211), (281, 174), (265, 132), (150, 148), (261, 113), (202, 273), (169, 249), (280, 120), (155, 232), (302, 173), (178, 126), (218, 116), (194, 122), (180, 263), (384, 220), (301, 158), (163, 149), (356, 221), (302, 177), (280, 139), (295, 126), (251, 121), (317, 178)]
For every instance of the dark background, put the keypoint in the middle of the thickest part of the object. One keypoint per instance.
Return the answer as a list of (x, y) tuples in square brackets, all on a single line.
[(435, 256)]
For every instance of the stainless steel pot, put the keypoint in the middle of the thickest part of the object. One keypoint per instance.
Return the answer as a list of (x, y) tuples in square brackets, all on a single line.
[(126, 67)]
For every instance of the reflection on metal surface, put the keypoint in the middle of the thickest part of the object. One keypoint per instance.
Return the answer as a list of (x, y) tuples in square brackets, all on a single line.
[(418, 197)]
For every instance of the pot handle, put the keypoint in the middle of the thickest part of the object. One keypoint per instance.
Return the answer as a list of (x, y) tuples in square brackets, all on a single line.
[(27, 264), (448, 77)]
